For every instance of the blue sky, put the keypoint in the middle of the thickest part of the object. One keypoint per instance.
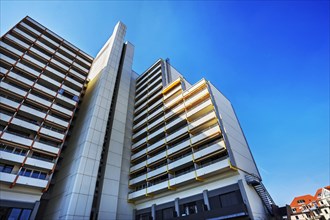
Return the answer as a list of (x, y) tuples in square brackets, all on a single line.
[(270, 58)]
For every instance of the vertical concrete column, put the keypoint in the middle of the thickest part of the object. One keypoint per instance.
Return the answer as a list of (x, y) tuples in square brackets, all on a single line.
[(35, 210), (206, 200), (176, 206), (153, 211)]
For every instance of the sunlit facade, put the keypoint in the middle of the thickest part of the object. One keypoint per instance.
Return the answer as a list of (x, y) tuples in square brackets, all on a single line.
[(148, 146)]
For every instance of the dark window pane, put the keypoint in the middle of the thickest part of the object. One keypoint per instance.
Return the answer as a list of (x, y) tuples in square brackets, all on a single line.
[(25, 214), (35, 174), (21, 171), (42, 176), (7, 169), (229, 199), (14, 214), (27, 172)]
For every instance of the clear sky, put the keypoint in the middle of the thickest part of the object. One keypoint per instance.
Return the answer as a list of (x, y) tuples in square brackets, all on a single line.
[(270, 58)]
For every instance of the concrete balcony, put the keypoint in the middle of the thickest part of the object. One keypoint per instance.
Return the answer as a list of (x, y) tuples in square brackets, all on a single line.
[(67, 101), (51, 133), (175, 122), (213, 168), (155, 113), (72, 91), (25, 35), (140, 107), (178, 148), (205, 135), (11, 157), (39, 163), (180, 162), (83, 61), (142, 132), (141, 123), (155, 83), (60, 65), (16, 139), (8, 102), (17, 41), (156, 158), (156, 134), (80, 67), (55, 44), (173, 101), (140, 93), (157, 172), (45, 147), (179, 108), (177, 134), (7, 59), (45, 90), (23, 180), (154, 75), (34, 61), (203, 122), (28, 69), (143, 113), (155, 123), (138, 154), (197, 97), (156, 145), (12, 89), (138, 179), (163, 186), (152, 93), (198, 85), (55, 72), (173, 91), (157, 103), (44, 46), (20, 79), (140, 100), (11, 49), (138, 166), (139, 144), (75, 73), (74, 82), (25, 124), (183, 179), (40, 54), (62, 110), (5, 118), (65, 58), (57, 121), (155, 97), (210, 150), (200, 109), (39, 100), (68, 51), (137, 194), (7, 177)]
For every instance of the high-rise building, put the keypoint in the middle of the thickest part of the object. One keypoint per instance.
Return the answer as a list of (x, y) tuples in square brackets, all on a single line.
[(148, 146)]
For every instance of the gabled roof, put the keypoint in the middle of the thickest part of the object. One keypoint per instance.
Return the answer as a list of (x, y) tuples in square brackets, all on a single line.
[(307, 198), (320, 191)]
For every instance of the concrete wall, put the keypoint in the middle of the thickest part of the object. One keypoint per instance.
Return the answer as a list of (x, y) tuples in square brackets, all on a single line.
[(113, 202), (73, 192), (238, 147)]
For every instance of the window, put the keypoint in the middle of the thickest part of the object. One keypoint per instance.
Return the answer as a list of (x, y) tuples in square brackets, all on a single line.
[(325, 211), (229, 199), (19, 214), (6, 168), (294, 209), (297, 217), (301, 201), (33, 173), (168, 213), (190, 208)]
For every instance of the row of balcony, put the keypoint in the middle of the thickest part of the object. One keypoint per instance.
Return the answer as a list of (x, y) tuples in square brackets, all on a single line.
[(193, 141), (32, 37), (34, 112), (45, 58), (194, 157), (152, 82), (23, 180), (147, 75), (24, 141), (15, 158), (178, 181), (39, 100), (33, 127), (192, 114)]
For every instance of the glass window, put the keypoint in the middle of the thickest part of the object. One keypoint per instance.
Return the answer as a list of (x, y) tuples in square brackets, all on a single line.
[(7, 169), (42, 176), (25, 214), (21, 171), (27, 172), (14, 214), (35, 174), (229, 199), (190, 208)]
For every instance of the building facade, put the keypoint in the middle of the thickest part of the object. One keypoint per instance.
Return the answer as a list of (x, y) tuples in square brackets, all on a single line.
[(90, 138), (312, 207)]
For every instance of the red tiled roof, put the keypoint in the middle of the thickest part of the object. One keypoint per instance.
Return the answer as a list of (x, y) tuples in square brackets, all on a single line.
[(308, 199), (320, 190)]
